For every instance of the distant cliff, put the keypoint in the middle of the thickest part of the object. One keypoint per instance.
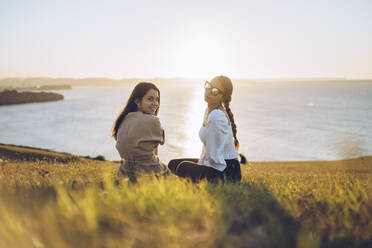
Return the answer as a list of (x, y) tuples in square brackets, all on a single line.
[(52, 87), (27, 83), (8, 97)]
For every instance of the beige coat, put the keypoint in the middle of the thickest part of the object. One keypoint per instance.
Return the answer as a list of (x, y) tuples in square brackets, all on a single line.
[(138, 136)]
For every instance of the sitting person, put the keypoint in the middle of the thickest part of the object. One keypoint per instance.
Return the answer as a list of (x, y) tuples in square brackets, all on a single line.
[(219, 158), (138, 132)]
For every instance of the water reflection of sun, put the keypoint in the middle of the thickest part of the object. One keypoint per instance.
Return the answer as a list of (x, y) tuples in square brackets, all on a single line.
[(194, 121)]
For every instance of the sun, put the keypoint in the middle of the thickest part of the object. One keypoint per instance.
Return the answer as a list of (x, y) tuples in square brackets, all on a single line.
[(201, 56)]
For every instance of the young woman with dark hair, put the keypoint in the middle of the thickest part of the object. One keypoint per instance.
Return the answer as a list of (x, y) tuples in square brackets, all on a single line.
[(138, 132), (219, 158)]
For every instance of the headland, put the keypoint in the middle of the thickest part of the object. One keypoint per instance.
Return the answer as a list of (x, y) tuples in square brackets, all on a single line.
[(9, 97)]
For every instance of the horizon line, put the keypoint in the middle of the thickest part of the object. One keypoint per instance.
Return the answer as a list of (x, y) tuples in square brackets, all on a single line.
[(194, 78)]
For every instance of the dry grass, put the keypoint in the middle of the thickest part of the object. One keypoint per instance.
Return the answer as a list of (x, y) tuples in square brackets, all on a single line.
[(82, 204)]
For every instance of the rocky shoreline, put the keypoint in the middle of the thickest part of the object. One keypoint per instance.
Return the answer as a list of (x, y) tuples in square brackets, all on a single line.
[(10, 97)]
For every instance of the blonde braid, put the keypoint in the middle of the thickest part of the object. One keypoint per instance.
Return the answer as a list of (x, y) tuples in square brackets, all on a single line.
[(233, 125)]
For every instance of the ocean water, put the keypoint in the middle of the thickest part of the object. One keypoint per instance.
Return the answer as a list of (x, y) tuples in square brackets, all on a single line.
[(276, 121)]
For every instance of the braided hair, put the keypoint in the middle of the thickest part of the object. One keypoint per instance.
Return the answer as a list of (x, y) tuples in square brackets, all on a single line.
[(227, 86), (232, 121)]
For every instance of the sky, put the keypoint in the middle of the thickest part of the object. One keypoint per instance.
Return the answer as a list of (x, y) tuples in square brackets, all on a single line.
[(170, 38)]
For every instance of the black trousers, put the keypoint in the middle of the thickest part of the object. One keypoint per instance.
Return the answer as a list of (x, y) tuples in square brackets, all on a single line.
[(188, 168)]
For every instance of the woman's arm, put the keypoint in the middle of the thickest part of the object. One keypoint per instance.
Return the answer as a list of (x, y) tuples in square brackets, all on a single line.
[(152, 129), (156, 133)]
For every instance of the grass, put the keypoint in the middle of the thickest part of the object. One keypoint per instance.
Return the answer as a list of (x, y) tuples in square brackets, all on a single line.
[(13, 152), (80, 203)]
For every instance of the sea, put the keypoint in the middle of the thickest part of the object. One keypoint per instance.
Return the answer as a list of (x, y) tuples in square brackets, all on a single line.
[(277, 121)]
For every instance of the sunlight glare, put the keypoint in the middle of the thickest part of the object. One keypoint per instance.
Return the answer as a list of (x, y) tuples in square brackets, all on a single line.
[(196, 107), (202, 56)]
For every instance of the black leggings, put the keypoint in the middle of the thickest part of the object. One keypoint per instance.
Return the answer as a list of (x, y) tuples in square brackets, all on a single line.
[(188, 168)]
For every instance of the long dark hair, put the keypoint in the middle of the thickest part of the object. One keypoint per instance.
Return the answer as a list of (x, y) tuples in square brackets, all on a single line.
[(138, 93)]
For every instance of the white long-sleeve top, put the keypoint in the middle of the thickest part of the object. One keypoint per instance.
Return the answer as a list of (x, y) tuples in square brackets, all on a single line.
[(218, 141)]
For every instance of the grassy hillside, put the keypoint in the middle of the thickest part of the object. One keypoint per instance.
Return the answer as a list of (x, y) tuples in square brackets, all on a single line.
[(50, 199)]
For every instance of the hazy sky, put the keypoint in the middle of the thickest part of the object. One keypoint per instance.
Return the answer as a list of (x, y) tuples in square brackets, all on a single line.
[(167, 38)]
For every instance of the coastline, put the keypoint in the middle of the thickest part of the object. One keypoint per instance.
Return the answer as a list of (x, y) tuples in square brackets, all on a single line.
[(31, 82), (11, 97), (10, 152), (26, 153)]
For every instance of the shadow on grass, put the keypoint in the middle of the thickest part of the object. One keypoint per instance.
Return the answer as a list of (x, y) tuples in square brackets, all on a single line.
[(252, 217), (248, 214)]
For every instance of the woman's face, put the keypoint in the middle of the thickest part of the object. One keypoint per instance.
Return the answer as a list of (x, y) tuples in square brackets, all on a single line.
[(149, 103), (212, 94)]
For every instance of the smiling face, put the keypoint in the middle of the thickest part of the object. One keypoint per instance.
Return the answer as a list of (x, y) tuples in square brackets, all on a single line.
[(149, 103)]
